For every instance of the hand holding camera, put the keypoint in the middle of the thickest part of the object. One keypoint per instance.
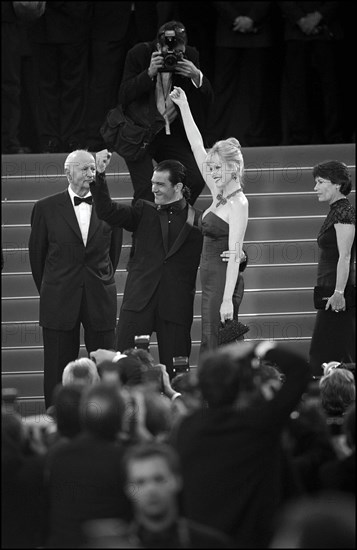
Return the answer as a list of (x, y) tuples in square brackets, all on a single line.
[(187, 69), (156, 63)]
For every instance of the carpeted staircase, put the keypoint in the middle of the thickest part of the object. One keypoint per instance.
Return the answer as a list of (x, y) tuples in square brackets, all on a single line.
[(284, 219)]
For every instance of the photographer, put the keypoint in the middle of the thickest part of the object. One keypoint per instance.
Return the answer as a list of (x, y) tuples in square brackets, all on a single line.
[(151, 70)]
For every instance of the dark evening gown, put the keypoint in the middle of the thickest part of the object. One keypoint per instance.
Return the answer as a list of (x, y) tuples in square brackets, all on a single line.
[(333, 337), (213, 278)]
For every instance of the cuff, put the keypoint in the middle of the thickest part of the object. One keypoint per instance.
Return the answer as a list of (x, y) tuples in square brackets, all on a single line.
[(200, 82)]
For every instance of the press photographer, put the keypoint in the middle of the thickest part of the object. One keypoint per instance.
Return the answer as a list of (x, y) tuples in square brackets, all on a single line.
[(149, 124)]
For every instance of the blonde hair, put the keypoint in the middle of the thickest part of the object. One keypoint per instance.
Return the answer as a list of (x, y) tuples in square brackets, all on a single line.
[(229, 150), (87, 372)]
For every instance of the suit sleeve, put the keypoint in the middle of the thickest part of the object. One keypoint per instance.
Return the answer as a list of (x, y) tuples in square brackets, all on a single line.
[(117, 215), (115, 246), (136, 81), (38, 244)]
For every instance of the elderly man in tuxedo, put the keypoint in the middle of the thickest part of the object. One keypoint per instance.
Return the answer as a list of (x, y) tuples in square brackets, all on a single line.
[(73, 257), (160, 286)]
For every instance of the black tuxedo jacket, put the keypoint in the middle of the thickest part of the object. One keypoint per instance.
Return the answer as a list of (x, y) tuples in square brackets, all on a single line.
[(172, 272), (62, 267), (137, 90)]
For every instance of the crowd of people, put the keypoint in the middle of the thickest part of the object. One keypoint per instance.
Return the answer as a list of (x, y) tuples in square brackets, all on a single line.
[(274, 68), (245, 452)]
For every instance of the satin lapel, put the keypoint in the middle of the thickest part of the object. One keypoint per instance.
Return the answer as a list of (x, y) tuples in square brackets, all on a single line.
[(93, 224), (67, 211), (164, 229), (184, 232)]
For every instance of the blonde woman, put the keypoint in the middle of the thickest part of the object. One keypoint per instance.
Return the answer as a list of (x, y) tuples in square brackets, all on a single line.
[(223, 225)]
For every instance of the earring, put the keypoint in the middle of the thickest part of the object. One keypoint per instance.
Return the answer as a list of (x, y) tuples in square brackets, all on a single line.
[(234, 176)]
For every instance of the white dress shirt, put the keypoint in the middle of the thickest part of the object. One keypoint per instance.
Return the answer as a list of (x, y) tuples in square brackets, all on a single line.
[(83, 213)]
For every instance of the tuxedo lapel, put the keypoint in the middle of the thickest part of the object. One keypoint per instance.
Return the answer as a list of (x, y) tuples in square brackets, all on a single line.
[(67, 211), (183, 233), (164, 229), (93, 224)]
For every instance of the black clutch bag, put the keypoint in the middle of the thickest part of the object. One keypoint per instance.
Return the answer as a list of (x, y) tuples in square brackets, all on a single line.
[(323, 293), (231, 331)]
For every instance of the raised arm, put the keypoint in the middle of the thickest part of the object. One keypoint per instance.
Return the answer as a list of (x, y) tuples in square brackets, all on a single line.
[(194, 137)]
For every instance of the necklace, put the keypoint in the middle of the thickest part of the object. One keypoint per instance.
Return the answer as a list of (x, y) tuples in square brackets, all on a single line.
[(223, 200)]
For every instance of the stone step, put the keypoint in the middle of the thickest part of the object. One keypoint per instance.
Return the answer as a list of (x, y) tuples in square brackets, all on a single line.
[(255, 276), (256, 157), (268, 325), (267, 228), (262, 180), (16, 260), (275, 204), (254, 301)]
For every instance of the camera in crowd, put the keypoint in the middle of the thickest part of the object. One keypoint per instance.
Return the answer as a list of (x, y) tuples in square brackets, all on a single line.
[(180, 365), (142, 342), (169, 52)]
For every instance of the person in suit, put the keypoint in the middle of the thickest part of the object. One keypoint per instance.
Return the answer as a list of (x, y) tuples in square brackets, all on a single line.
[(144, 94), (73, 257), (115, 28), (160, 285), (60, 47)]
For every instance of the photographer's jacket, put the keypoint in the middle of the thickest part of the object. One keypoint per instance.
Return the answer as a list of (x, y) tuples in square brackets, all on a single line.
[(137, 90), (168, 266)]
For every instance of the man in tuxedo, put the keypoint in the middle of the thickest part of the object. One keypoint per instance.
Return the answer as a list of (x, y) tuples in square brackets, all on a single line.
[(73, 257), (145, 95), (160, 285)]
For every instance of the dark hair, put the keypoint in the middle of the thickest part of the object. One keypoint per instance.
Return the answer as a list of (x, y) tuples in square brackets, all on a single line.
[(101, 411), (338, 391), (143, 451), (66, 401), (222, 377), (143, 355), (131, 370), (178, 27), (335, 171), (177, 173)]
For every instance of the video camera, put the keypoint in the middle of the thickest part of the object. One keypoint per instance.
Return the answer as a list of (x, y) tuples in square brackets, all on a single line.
[(171, 55)]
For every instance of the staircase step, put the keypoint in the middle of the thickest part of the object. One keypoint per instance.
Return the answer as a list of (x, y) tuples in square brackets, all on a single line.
[(255, 276), (288, 204), (16, 260), (255, 300), (287, 227), (262, 180), (280, 156), (263, 325)]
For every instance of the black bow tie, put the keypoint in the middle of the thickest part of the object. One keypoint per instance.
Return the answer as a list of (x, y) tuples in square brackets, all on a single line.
[(173, 206), (78, 200)]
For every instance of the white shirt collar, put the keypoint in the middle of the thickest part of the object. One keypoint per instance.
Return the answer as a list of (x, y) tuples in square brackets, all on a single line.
[(72, 194)]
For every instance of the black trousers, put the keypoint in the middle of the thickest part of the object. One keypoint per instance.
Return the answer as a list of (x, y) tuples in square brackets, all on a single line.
[(62, 91), (304, 62), (164, 147), (173, 339), (238, 69), (10, 84), (62, 346)]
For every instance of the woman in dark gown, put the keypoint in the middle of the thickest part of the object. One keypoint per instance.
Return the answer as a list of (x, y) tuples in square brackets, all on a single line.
[(334, 333), (223, 225)]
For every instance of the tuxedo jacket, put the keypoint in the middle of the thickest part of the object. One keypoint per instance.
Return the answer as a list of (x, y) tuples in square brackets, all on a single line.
[(172, 273), (62, 267)]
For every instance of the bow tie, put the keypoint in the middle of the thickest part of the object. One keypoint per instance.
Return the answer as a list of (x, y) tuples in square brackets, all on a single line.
[(78, 200), (173, 206)]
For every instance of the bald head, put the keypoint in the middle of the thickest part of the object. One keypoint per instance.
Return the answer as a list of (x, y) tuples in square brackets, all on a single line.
[(79, 168)]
